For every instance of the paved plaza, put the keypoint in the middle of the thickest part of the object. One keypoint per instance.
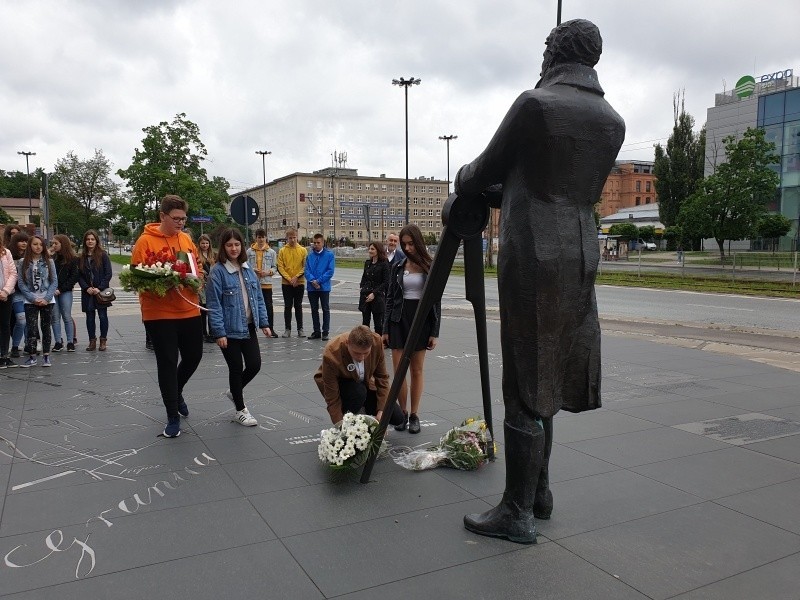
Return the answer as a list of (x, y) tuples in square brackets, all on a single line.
[(685, 485)]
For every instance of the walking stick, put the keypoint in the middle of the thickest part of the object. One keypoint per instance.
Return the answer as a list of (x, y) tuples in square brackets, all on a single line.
[(464, 219)]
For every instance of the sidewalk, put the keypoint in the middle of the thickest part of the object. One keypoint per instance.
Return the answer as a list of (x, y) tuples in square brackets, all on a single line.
[(685, 485)]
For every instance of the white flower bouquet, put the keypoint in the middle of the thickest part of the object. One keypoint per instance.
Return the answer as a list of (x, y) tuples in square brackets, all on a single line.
[(160, 272), (349, 444), (465, 447)]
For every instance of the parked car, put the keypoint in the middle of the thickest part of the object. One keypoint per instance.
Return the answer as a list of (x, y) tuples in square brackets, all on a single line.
[(640, 243)]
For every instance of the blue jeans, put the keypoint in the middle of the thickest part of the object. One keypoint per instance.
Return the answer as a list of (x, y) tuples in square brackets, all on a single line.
[(62, 309), (20, 323), (102, 312), (315, 299)]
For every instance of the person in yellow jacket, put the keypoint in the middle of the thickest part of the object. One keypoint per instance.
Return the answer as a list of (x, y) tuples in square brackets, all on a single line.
[(291, 266), (172, 322)]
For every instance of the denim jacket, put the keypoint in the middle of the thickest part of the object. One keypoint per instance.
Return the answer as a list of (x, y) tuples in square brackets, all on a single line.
[(227, 316), (48, 281)]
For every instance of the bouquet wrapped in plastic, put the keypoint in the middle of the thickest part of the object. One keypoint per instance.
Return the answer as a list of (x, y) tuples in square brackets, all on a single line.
[(160, 272), (464, 447), (349, 444)]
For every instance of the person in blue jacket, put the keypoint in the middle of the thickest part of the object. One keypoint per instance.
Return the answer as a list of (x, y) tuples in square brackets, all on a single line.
[(320, 265), (37, 281), (236, 307)]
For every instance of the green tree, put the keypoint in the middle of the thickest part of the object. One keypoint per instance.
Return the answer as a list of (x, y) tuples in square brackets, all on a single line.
[(674, 236), (170, 161), (729, 203), (627, 231), (14, 184), (772, 226), (121, 231), (679, 167), (647, 233), (5, 218), (81, 191)]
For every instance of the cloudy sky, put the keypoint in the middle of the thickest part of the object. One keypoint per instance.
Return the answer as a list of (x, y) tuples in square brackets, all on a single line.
[(302, 78)]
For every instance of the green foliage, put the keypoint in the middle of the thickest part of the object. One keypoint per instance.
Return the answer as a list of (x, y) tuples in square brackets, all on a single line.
[(674, 236), (5, 218), (170, 161), (679, 167), (14, 184), (627, 231), (121, 231), (729, 203), (429, 238), (772, 226), (80, 192), (647, 233)]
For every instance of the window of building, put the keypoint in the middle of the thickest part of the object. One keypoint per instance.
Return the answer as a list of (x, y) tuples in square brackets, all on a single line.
[(358, 185), (647, 200), (309, 184), (383, 187), (647, 186), (430, 189), (638, 200), (360, 234), (416, 200), (638, 186), (415, 212), (332, 223), (350, 185), (366, 186), (352, 222)]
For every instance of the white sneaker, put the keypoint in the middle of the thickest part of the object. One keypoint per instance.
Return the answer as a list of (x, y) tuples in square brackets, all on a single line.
[(243, 417)]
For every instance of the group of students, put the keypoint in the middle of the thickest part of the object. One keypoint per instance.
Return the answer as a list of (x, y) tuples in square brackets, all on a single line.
[(237, 301), (36, 287)]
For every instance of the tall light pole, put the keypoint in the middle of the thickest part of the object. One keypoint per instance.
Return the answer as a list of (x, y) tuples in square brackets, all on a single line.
[(263, 154), (28, 170), (558, 14), (406, 83), (447, 139)]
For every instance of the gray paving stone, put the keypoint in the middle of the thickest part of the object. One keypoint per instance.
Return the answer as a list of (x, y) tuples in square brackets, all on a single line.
[(776, 504), (606, 499), (170, 534), (643, 447), (244, 572), (544, 571), (411, 544), (319, 507), (699, 474), (779, 580), (682, 411), (679, 551), (787, 448), (264, 475), (595, 424), (760, 400)]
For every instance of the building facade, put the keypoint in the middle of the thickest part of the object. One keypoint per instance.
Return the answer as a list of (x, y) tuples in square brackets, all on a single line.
[(631, 183), (343, 205), (770, 102)]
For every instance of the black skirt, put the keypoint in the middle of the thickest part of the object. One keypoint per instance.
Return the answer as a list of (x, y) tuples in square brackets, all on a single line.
[(398, 332)]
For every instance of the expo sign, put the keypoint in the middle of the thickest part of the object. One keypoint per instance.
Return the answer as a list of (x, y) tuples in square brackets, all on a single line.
[(747, 84)]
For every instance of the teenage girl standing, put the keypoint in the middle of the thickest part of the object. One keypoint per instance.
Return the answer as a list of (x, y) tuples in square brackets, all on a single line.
[(37, 282)]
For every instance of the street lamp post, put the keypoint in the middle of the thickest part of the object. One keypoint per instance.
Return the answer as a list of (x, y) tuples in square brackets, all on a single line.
[(447, 139), (28, 170), (263, 154), (406, 83)]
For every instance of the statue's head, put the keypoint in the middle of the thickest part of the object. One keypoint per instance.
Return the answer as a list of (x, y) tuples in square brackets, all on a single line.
[(577, 41)]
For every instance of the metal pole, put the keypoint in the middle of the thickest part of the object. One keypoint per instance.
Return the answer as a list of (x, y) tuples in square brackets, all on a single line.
[(447, 139), (406, 83), (28, 171), (406, 90), (558, 15), (263, 154)]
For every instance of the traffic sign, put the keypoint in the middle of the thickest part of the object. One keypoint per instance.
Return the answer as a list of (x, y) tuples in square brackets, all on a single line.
[(244, 210)]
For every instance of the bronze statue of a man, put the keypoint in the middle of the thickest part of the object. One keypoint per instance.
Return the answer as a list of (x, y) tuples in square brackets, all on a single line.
[(546, 165)]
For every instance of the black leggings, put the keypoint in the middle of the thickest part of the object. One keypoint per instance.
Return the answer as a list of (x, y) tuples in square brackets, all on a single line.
[(32, 314), (173, 337), (377, 317), (356, 395), (5, 326), (292, 296), (238, 378)]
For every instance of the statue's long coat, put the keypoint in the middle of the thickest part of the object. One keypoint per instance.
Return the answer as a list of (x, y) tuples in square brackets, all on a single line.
[(552, 154)]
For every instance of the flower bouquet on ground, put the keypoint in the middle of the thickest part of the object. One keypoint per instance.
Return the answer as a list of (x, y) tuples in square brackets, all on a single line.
[(464, 447), (159, 273), (350, 443)]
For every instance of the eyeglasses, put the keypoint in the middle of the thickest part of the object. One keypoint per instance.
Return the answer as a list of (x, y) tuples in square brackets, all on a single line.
[(178, 219)]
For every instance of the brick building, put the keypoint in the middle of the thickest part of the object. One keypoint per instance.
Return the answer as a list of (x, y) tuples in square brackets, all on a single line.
[(630, 183)]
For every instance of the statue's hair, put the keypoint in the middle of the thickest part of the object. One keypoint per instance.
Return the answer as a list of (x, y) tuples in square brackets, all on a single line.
[(576, 41)]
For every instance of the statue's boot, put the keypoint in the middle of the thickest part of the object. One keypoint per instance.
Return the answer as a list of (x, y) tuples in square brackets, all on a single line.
[(543, 502), (513, 518)]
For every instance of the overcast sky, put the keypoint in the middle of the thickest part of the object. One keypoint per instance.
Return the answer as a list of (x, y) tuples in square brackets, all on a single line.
[(302, 78)]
